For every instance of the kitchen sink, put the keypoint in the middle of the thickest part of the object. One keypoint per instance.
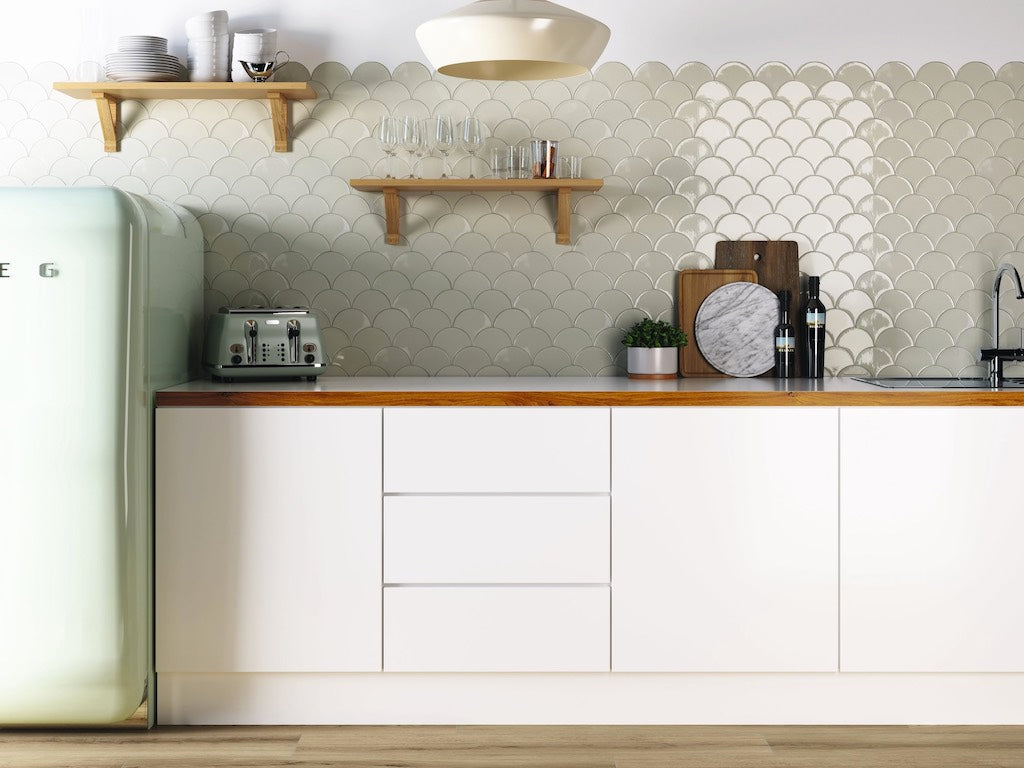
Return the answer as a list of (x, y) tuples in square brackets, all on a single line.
[(937, 382)]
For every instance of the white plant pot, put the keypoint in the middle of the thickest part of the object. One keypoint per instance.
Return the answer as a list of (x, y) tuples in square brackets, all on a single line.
[(652, 362)]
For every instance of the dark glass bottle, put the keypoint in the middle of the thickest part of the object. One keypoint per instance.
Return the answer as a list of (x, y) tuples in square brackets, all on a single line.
[(814, 331), (785, 341)]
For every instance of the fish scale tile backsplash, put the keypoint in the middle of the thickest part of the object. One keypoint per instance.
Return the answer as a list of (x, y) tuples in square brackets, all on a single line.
[(903, 189)]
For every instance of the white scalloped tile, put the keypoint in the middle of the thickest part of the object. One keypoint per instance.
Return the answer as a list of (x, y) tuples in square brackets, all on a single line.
[(901, 188)]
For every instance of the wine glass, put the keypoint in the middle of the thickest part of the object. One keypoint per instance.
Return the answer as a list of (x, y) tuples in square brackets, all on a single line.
[(471, 138), (410, 138), (443, 139), (426, 143), (386, 134)]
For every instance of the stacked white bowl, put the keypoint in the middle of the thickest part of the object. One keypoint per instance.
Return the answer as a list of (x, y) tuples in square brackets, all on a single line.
[(208, 47), (142, 58), (252, 45)]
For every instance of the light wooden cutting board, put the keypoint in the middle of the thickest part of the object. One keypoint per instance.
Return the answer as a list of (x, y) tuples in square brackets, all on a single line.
[(694, 286)]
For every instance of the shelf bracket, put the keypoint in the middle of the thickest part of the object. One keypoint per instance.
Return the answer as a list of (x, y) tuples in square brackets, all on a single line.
[(391, 203), (562, 216), (279, 116), (109, 108)]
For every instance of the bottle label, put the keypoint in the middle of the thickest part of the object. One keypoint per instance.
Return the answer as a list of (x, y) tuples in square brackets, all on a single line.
[(785, 343), (815, 319)]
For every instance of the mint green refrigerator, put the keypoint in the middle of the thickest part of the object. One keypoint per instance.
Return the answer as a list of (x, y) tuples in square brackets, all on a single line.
[(100, 305)]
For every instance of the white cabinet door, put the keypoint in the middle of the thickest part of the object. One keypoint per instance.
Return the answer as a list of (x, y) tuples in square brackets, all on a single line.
[(724, 539), (268, 539), (932, 540)]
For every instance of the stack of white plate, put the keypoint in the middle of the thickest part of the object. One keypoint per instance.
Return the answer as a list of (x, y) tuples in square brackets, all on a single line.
[(252, 45), (208, 47), (142, 58)]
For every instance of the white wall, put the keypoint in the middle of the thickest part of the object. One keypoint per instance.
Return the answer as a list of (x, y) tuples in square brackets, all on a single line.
[(671, 31)]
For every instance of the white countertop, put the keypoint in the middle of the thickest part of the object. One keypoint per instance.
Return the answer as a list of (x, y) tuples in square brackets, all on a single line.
[(610, 384)]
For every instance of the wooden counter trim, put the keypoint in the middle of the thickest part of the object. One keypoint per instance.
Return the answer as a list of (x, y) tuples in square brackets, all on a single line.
[(371, 398)]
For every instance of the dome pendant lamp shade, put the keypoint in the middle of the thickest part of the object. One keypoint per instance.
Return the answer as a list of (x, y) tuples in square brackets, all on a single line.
[(512, 40)]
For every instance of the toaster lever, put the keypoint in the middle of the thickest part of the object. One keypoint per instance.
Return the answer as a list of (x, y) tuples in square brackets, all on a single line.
[(293, 341), (250, 342)]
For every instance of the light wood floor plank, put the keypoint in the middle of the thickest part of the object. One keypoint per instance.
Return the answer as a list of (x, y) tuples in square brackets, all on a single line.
[(512, 747)]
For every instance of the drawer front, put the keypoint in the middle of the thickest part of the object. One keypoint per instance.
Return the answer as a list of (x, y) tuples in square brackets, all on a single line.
[(496, 539), (496, 629), (495, 450)]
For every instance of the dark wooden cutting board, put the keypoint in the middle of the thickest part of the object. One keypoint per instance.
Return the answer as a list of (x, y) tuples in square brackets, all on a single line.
[(777, 264)]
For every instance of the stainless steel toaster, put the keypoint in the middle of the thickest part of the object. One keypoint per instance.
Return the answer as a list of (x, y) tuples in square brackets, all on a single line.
[(264, 343)]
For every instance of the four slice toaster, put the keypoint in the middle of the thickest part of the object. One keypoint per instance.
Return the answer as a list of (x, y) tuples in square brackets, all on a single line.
[(263, 342)]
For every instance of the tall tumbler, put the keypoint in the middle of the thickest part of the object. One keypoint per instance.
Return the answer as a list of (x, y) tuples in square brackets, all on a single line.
[(545, 159)]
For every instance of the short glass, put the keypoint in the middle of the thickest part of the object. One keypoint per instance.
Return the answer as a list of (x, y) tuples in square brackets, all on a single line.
[(570, 167)]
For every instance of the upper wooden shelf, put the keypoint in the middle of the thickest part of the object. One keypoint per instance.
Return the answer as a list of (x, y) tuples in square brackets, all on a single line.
[(393, 187), (108, 97)]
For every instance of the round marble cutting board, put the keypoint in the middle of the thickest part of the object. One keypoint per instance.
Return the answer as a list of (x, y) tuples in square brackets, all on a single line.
[(735, 326)]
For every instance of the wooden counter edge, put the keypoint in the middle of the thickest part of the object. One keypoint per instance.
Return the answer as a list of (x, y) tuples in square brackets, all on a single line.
[(569, 398)]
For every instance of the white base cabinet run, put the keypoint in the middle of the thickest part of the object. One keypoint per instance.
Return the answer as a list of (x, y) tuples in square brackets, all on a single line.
[(367, 565), (933, 535), (724, 539), (268, 540)]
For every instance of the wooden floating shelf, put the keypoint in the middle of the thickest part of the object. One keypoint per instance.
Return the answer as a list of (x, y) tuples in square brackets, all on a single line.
[(392, 189), (109, 95)]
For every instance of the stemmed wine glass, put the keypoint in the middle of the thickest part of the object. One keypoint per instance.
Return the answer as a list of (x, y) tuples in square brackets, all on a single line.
[(387, 137), (471, 138), (443, 140), (410, 140), (426, 143)]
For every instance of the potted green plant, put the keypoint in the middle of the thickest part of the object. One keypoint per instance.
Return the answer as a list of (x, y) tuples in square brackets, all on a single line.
[(653, 349)]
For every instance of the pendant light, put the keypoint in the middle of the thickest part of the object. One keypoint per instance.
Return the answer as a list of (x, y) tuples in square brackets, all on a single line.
[(512, 40)]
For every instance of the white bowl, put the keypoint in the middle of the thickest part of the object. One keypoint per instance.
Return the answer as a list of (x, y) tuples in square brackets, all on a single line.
[(203, 76), (211, 47), (221, 16), (256, 38), (207, 24)]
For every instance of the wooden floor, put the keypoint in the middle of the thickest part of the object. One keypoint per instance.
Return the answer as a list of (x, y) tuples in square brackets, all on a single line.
[(531, 747)]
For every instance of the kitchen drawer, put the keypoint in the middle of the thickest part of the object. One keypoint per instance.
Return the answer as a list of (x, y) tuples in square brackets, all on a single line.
[(496, 539), (494, 450), (496, 629)]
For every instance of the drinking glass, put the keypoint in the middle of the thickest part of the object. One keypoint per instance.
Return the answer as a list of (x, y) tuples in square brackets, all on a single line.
[(387, 136), (410, 140), (471, 138), (570, 167), (499, 163), (515, 161), (545, 159), (443, 139)]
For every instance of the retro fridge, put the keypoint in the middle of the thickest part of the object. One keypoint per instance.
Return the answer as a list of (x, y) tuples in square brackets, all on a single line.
[(100, 305)]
